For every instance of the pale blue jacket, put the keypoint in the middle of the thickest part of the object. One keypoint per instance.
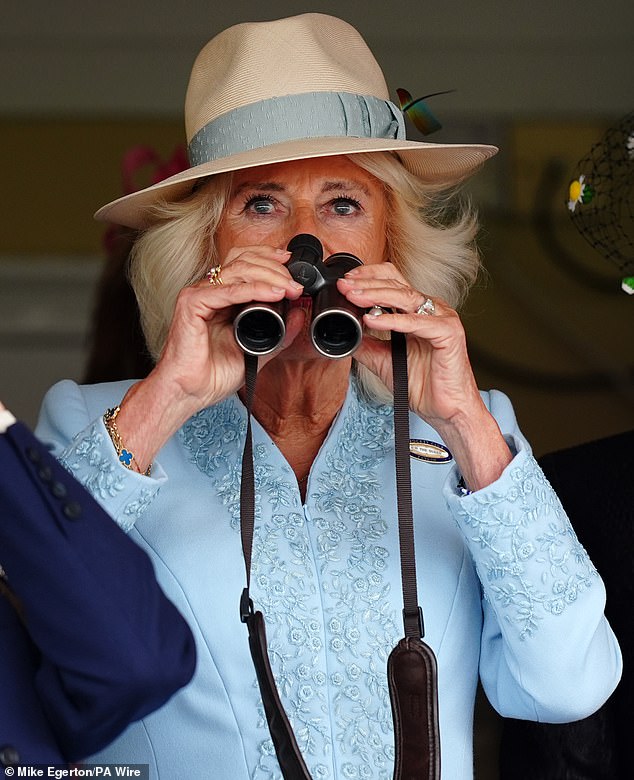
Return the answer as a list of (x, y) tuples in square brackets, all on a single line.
[(507, 591)]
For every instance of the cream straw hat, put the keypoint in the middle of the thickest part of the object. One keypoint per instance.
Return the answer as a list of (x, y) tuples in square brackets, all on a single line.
[(300, 87)]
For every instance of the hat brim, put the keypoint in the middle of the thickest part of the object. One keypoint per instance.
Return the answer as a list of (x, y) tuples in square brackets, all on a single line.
[(442, 164)]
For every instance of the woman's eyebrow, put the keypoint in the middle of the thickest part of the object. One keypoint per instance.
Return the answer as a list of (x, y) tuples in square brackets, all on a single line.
[(269, 186), (334, 185), (345, 184)]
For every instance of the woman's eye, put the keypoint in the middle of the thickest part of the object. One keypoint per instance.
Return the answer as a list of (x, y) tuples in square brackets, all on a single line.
[(345, 206), (260, 204)]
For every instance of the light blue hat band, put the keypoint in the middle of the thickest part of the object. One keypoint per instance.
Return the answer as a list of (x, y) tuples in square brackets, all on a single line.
[(295, 117)]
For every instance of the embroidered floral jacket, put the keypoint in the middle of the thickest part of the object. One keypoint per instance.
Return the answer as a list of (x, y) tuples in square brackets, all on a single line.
[(507, 591)]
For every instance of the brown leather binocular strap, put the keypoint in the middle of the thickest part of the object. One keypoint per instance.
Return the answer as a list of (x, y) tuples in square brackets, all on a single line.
[(287, 751), (412, 672), (411, 667)]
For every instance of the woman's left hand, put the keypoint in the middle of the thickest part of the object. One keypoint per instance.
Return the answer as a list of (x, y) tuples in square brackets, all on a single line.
[(442, 387)]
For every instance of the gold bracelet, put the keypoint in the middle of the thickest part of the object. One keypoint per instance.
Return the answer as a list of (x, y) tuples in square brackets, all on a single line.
[(126, 456)]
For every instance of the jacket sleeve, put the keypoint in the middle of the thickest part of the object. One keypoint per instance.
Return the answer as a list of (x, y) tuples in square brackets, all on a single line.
[(112, 646), (78, 437), (547, 650)]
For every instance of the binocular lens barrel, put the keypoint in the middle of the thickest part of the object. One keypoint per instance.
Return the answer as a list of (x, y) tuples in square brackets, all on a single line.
[(336, 324), (259, 329), (336, 334)]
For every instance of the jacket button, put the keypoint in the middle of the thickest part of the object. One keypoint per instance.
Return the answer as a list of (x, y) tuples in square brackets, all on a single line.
[(72, 510), (58, 489), (45, 473), (33, 454), (9, 756)]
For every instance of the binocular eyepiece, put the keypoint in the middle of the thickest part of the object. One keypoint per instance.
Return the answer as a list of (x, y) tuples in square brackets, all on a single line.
[(335, 328)]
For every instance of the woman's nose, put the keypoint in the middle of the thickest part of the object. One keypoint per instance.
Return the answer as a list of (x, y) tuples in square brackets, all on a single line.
[(305, 221)]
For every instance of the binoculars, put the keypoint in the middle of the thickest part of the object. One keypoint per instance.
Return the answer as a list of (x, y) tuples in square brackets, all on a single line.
[(335, 328)]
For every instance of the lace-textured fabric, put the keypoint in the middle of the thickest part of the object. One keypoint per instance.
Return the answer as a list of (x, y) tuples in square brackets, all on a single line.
[(96, 471), (530, 574), (90, 460), (320, 584)]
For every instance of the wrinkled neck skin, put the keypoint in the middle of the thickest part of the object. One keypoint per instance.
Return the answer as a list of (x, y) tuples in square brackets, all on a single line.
[(296, 403)]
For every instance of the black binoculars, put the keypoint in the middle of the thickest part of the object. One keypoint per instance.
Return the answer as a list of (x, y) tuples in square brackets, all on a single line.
[(335, 328)]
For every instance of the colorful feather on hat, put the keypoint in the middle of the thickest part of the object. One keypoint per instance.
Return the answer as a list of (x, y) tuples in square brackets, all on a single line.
[(419, 112)]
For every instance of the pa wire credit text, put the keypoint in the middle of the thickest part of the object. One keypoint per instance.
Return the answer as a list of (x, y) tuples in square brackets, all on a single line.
[(60, 771)]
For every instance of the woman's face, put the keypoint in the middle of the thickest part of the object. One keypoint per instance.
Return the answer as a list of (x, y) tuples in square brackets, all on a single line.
[(329, 197)]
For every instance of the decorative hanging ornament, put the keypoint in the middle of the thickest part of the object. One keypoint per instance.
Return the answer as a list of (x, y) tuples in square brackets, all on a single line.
[(627, 285), (579, 192), (601, 198)]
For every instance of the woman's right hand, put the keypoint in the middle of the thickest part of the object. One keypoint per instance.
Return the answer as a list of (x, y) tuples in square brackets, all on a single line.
[(201, 362)]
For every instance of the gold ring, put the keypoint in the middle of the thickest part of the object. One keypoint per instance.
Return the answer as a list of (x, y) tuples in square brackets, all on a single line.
[(213, 275)]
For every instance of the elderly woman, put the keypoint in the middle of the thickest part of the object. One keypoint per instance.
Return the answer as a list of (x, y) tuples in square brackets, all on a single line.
[(291, 132)]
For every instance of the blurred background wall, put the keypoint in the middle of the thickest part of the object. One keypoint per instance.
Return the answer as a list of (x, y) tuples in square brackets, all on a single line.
[(84, 81)]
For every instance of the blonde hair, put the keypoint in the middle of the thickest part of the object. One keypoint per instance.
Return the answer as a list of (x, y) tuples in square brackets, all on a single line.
[(430, 239), (175, 252)]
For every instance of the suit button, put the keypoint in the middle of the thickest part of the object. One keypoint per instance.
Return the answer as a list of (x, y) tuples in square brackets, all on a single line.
[(58, 489), (45, 473), (72, 510), (33, 454), (9, 756)]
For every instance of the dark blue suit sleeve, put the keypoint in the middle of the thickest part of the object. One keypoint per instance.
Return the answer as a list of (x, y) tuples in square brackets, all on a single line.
[(25, 733), (112, 646)]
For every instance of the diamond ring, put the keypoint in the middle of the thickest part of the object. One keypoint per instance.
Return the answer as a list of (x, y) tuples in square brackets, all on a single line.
[(427, 307)]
